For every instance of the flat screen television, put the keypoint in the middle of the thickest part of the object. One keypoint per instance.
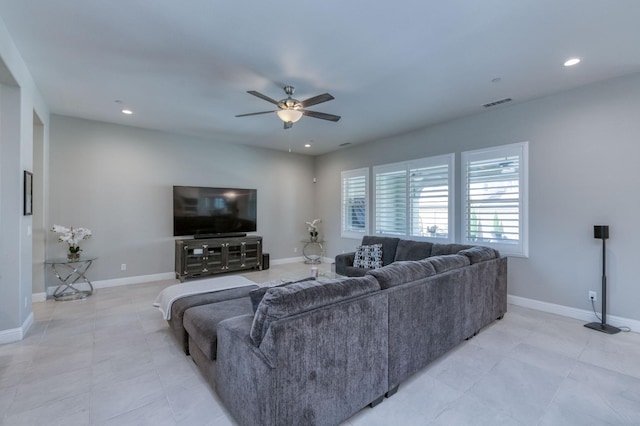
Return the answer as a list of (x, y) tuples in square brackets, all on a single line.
[(209, 212)]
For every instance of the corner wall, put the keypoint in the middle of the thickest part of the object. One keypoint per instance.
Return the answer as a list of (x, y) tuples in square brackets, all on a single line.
[(584, 171), (117, 181)]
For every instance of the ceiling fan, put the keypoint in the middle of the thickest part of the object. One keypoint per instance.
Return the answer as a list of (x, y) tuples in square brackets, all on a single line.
[(291, 110)]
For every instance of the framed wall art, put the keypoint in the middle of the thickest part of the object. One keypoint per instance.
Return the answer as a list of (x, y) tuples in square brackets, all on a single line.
[(28, 193)]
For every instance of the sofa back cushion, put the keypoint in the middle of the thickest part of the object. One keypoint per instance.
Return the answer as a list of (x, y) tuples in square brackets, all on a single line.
[(478, 254), (295, 298), (402, 272), (413, 250), (440, 249), (257, 294), (389, 246), (447, 262)]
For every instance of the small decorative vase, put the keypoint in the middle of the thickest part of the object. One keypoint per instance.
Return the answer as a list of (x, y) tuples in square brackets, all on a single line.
[(74, 253)]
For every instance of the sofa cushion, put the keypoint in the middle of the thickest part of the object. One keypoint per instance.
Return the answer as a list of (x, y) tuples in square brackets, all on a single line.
[(413, 250), (257, 294), (447, 262), (201, 322), (282, 302), (368, 256), (478, 254), (402, 272), (440, 249), (352, 271), (389, 246)]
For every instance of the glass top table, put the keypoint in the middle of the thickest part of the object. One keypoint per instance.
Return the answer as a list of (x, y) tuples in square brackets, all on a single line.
[(69, 272)]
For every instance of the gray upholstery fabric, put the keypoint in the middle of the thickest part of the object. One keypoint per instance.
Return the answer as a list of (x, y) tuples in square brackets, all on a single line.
[(399, 273), (179, 307), (479, 254), (280, 302), (352, 271), (448, 262), (201, 322), (257, 294), (442, 310), (206, 366), (413, 250), (389, 246), (344, 261), (315, 368), (440, 249)]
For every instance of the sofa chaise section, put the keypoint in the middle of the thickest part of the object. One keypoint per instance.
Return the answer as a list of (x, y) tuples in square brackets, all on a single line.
[(315, 353)]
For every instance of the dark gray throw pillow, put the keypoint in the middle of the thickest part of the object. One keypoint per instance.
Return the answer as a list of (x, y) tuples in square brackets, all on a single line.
[(257, 294)]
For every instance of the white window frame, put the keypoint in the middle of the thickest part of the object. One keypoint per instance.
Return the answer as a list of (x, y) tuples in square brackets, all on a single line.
[(346, 231), (406, 167), (521, 248)]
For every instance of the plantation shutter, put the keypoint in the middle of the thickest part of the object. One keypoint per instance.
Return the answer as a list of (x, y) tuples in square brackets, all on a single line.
[(414, 198), (494, 197), (355, 191)]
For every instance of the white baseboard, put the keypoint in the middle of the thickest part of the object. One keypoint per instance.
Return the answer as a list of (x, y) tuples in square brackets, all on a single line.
[(16, 334), (287, 260), (134, 280), (566, 311), (38, 297)]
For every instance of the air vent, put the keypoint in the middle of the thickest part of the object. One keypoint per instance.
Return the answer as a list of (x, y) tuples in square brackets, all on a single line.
[(345, 144), (494, 103)]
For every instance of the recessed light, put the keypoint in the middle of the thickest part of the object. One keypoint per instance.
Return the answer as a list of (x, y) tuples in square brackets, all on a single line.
[(307, 145), (571, 62), (127, 111)]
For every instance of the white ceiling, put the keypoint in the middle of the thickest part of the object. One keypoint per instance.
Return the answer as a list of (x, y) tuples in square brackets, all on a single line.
[(185, 66)]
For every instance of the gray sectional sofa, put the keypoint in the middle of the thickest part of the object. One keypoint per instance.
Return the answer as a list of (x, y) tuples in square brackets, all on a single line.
[(317, 352)]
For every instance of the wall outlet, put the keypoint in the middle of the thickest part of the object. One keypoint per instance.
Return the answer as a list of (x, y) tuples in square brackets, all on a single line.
[(123, 267), (593, 296), (295, 249)]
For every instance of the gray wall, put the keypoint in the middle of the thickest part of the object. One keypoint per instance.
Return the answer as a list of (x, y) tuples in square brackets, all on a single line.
[(117, 181), (583, 156)]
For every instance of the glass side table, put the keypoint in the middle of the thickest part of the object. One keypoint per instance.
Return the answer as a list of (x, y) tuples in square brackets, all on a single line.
[(313, 252), (69, 272)]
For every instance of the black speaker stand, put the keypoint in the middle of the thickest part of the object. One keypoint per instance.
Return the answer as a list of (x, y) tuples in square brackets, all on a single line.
[(603, 233)]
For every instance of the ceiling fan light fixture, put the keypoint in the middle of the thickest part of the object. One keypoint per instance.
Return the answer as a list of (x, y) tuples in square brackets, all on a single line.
[(289, 115)]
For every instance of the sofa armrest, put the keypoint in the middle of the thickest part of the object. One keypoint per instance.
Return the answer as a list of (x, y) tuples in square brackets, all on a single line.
[(344, 260)]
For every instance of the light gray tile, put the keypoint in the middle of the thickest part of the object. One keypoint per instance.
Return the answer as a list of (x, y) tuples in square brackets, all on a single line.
[(464, 366), (193, 402), (64, 412), (614, 352), (156, 413), (517, 389), (115, 398), (543, 358), (468, 410)]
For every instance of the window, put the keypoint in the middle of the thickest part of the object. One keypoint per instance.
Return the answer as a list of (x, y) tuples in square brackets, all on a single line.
[(415, 198), (494, 196), (355, 203)]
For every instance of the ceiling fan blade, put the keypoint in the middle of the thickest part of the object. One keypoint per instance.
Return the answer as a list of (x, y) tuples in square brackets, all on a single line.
[(321, 115), (317, 100), (261, 96), (255, 113)]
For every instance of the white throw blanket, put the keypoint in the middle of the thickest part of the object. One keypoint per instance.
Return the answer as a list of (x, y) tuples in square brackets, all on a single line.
[(174, 292)]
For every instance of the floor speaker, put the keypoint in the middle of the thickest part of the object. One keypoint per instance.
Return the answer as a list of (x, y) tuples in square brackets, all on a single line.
[(265, 261)]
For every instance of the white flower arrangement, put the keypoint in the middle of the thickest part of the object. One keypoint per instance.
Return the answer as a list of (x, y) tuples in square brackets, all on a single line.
[(72, 236), (313, 227)]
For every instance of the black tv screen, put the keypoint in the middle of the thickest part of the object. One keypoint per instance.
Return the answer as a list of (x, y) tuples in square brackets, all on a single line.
[(202, 211)]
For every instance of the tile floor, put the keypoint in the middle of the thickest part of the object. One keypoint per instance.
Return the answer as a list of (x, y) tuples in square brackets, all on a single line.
[(110, 360)]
